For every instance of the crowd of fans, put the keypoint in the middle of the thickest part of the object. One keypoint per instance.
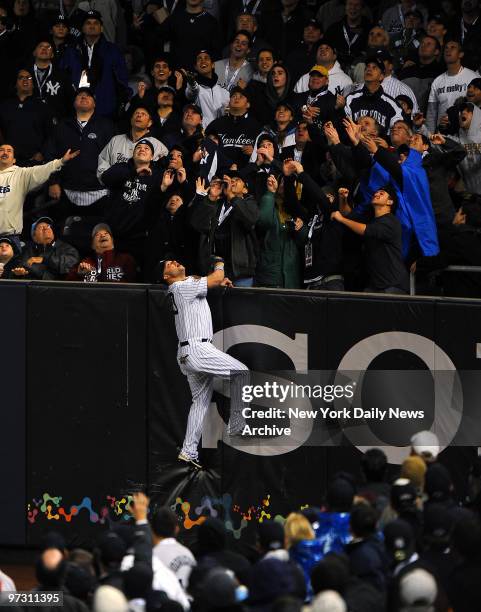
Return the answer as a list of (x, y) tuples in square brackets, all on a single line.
[(374, 544), (332, 145)]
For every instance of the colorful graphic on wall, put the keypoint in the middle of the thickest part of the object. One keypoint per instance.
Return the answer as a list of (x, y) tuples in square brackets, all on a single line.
[(50, 508)]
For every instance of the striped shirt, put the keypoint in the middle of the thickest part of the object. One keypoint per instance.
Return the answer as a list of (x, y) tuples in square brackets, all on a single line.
[(193, 319)]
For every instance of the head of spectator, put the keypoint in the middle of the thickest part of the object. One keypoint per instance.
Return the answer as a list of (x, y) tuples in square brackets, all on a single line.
[(420, 143), (340, 495), (403, 496), (92, 27), (413, 20), (165, 100), (265, 61), (312, 33), (318, 78), (302, 135), (161, 71), (239, 103), (80, 581), (235, 185), (164, 524), (453, 56), (3, 19), (278, 80), (174, 203), (247, 22), (138, 581), (400, 134), (426, 445), (142, 156), (21, 8), (24, 84), (374, 465), (466, 535), (270, 537), (43, 54), (240, 47), (399, 541), (140, 122), (354, 12), (328, 601), (8, 249), (388, 61), (102, 241), (378, 38), (60, 29), (429, 50), (204, 66), (297, 528), (369, 127), (191, 119), (384, 201), (473, 93), (109, 599), (84, 103), (7, 156), (437, 27), (269, 580), (42, 231), (468, 214), (470, 10), (466, 114), (362, 521), (438, 486), (51, 568), (326, 54), (217, 590), (288, 6), (212, 534), (437, 526), (406, 105), (417, 591), (283, 116), (176, 157), (267, 149), (332, 573), (374, 73), (414, 469)]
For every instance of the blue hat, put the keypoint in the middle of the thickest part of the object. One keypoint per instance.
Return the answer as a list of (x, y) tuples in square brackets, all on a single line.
[(47, 220)]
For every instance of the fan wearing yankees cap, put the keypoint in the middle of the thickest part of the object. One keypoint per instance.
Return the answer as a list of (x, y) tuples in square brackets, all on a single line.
[(60, 36), (96, 63), (134, 189), (10, 258), (197, 357)]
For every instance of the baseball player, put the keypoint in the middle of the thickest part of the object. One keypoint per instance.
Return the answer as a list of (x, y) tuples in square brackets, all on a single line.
[(198, 359)]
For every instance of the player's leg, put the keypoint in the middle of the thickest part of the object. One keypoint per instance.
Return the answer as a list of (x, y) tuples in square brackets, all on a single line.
[(201, 386)]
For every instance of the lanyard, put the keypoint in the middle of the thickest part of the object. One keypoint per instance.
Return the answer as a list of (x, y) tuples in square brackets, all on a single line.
[(254, 8), (401, 15), (311, 229), (224, 213), (349, 42), (37, 77), (99, 265), (173, 6), (464, 29), (228, 85)]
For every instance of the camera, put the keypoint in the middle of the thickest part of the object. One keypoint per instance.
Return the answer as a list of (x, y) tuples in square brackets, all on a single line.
[(290, 224)]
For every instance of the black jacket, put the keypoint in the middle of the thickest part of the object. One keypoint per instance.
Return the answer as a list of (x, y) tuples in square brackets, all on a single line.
[(377, 105), (242, 259), (235, 133), (81, 172), (130, 209), (55, 91), (368, 561), (58, 259), (337, 33)]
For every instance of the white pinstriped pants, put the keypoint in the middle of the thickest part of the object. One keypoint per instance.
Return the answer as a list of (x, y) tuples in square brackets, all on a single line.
[(203, 362)]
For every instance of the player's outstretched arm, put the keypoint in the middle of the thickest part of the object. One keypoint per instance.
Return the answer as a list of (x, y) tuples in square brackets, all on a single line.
[(217, 276)]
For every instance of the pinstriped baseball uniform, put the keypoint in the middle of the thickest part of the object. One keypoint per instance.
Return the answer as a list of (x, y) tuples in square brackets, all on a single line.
[(201, 361)]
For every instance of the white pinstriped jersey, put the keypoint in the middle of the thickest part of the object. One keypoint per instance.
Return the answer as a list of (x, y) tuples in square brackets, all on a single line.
[(193, 319)]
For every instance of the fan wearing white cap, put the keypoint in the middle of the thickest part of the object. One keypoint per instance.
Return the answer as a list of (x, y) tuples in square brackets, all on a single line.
[(426, 445)]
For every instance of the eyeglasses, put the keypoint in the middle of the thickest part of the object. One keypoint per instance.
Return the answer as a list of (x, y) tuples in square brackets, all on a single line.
[(25, 78)]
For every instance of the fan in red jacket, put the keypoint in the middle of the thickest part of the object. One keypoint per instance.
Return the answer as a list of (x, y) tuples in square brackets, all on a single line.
[(106, 265)]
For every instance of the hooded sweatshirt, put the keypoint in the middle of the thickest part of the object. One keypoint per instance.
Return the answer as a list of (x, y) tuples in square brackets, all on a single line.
[(120, 149), (470, 139), (15, 183), (210, 96), (338, 80)]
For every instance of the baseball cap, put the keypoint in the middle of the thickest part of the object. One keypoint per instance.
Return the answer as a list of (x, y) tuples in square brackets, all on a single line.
[(426, 444), (271, 535), (438, 483), (60, 18), (439, 19), (403, 495), (167, 88), (328, 601), (384, 55), (475, 83), (92, 15), (417, 589), (319, 70), (9, 241), (398, 539), (314, 23), (218, 589), (375, 59), (328, 43), (112, 548), (239, 90), (99, 227), (144, 141), (47, 220), (86, 90), (415, 13), (193, 107)]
